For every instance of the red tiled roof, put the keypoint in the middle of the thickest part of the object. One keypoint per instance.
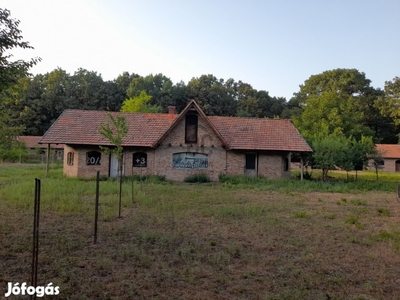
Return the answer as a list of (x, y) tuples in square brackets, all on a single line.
[(260, 134), (388, 150), (147, 130), (82, 127), (30, 141)]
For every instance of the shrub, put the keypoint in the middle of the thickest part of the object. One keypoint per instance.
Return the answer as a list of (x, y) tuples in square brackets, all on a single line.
[(197, 178)]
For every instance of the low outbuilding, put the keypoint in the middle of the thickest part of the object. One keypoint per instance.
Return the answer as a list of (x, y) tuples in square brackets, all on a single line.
[(178, 145)]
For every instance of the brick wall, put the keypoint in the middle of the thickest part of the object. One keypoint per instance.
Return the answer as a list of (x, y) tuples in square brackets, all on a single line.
[(70, 170), (208, 143), (389, 165), (271, 165), (160, 160)]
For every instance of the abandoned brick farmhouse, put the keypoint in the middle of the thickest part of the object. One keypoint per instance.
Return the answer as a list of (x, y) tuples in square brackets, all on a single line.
[(178, 145)]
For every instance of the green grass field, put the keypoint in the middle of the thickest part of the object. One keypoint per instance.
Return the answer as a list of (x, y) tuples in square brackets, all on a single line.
[(240, 238)]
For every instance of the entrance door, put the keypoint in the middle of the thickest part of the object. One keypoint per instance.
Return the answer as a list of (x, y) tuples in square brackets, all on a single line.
[(114, 166), (397, 165), (251, 164)]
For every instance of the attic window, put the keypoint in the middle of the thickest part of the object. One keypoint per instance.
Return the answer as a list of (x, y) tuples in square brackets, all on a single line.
[(191, 128)]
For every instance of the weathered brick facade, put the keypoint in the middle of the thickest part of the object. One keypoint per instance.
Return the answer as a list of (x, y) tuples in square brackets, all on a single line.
[(160, 160), (176, 146)]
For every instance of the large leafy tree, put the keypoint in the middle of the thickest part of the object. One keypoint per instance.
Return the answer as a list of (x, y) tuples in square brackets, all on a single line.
[(85, 90), (332, 103), (158, 86), (213, 95), (10, 72), (388, 103)]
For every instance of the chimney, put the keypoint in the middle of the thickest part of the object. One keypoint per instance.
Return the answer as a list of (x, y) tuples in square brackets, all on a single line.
[(171, 110)]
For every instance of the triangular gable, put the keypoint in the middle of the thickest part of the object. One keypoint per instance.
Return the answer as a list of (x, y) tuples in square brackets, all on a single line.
[(192, 105)]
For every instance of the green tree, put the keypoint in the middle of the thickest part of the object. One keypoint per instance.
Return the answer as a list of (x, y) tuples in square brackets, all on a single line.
[(140, 104), (332, 103), (158, 86), (84, 90), (10, 72), (329, 152), (11, 38), (388, 104), (213, 95), (115, 129), (361, 151)]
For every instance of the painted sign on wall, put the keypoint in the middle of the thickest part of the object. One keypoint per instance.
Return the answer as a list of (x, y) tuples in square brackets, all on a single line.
[(190, 161)]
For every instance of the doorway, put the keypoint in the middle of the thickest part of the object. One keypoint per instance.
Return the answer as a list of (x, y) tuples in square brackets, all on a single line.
[(114, 165), (251, 164)]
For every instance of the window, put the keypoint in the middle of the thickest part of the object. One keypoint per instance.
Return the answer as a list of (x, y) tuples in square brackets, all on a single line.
[(250, 161), (93, 158), (70, 158), (191, 129), (139, 159)]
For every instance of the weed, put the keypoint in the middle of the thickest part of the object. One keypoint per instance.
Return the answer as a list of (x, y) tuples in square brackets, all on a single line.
[(197, 178), (300, 214), (383, 212), (330, 216), (358, 202), (351, 220)]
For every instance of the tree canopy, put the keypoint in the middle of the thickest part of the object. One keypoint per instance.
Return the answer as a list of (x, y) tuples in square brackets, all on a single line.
[(339, 102), (11, 38)]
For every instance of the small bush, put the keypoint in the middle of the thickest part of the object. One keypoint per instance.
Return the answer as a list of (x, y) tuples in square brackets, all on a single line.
[(197, 178)]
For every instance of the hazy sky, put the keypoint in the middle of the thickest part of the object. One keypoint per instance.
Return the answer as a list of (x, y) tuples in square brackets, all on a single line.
[(272, 45)]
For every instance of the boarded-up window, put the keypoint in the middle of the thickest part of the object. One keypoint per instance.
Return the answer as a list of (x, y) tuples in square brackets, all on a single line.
[(191, 129), (140, 159), (93, 158)]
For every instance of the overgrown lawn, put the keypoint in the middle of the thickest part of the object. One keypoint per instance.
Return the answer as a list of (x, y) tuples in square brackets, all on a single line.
[(238, 239)]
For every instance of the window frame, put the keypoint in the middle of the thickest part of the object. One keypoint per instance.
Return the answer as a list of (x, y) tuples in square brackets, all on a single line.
[(70, 158)]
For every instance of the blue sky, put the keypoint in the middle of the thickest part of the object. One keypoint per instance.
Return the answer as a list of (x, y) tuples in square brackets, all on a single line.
[(272, 45)]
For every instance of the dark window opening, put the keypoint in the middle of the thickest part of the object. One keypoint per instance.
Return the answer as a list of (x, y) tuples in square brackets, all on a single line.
[(191, 129), (250, 161), (93, 158), (139, 159)]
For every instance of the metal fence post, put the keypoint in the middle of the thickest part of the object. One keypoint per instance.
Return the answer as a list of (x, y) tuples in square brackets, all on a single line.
[(35, 248)]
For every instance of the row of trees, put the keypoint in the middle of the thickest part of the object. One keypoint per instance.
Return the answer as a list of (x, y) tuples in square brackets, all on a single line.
[(35, 102), (339, 101)]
